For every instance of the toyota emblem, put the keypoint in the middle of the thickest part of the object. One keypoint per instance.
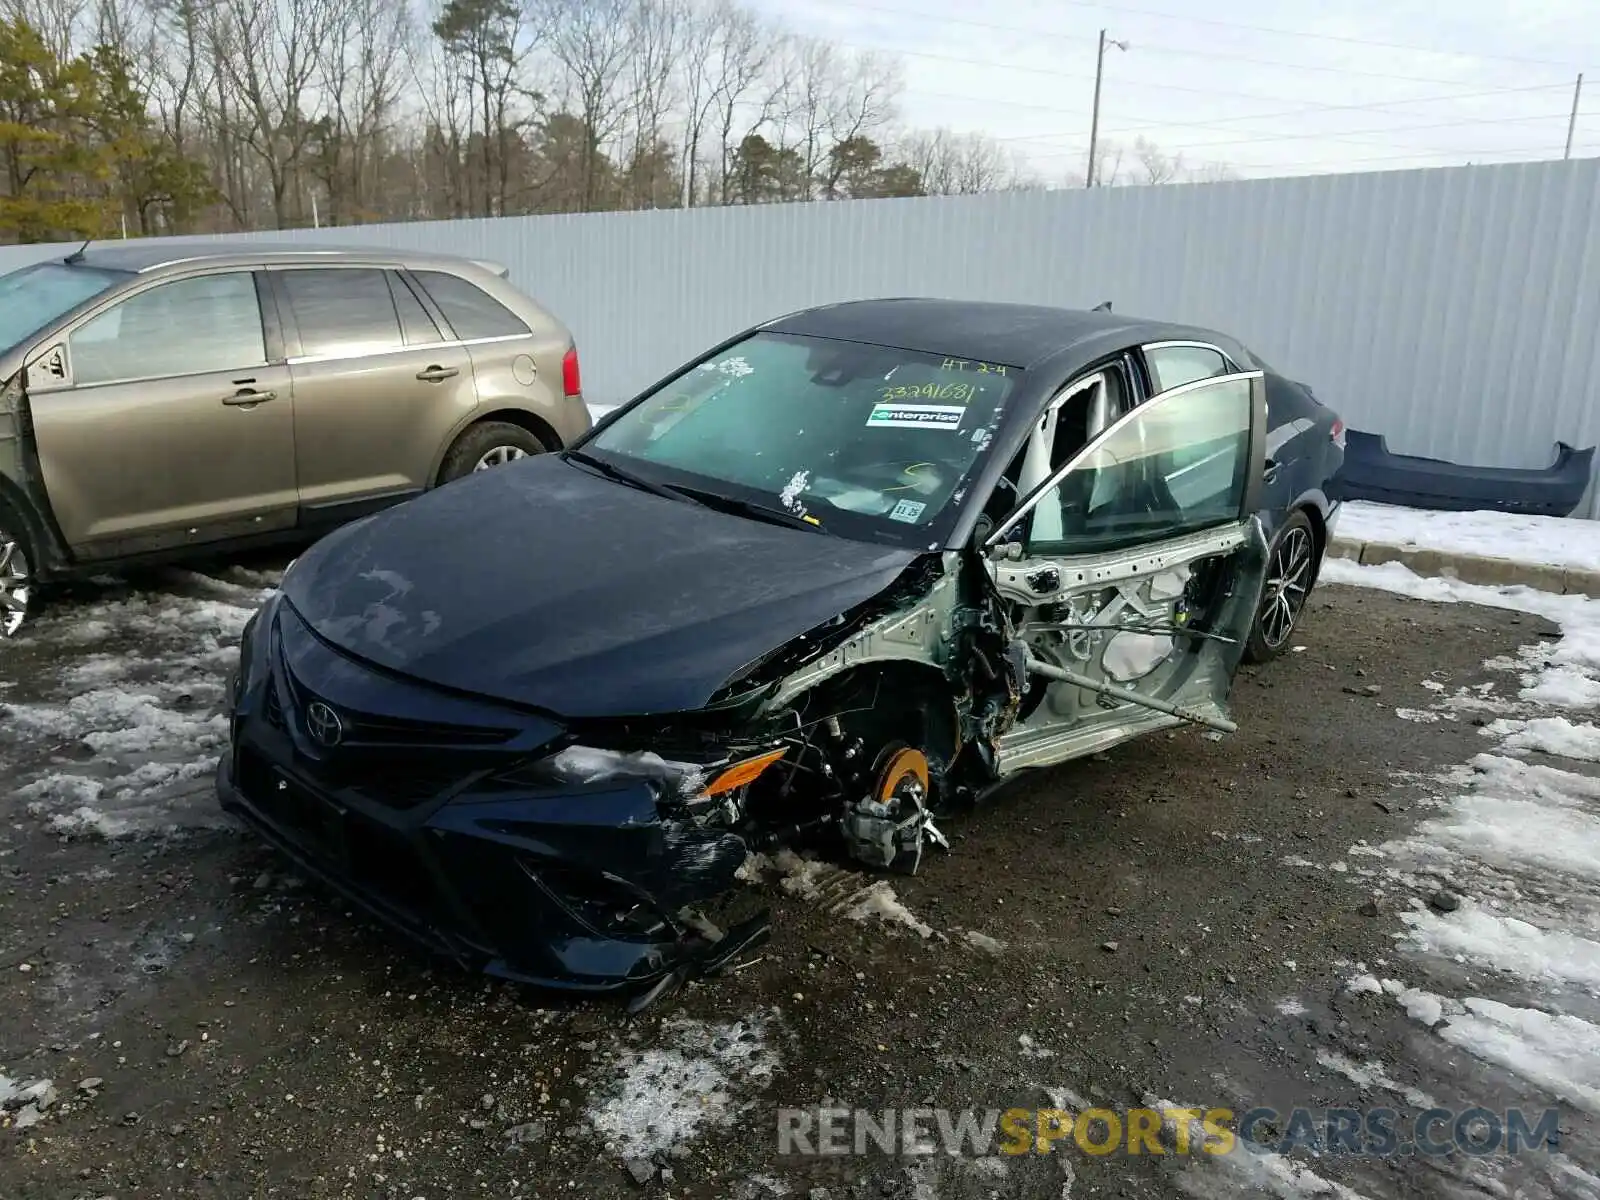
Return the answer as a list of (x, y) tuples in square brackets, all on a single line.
[(323, 724)]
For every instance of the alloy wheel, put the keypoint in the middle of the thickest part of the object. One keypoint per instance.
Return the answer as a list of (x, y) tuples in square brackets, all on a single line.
[(16, 585), (498, 456), (1288, 583)]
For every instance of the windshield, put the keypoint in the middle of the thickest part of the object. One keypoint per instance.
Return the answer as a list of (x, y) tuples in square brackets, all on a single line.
[(865, 440), (35, 296)]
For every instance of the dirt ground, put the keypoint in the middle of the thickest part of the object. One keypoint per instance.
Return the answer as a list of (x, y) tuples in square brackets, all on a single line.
[(1174, 919)]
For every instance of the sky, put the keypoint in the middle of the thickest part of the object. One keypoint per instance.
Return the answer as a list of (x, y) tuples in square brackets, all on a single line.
[(1261, 88)]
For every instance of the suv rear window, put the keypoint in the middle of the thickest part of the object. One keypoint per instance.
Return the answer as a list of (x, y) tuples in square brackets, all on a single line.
[(471, 310)]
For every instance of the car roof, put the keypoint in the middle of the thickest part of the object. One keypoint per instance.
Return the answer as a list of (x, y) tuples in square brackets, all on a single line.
[(1016, 335), (155, 254)]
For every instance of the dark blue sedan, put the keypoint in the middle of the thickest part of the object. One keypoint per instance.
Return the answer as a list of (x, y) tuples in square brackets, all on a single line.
[(841, 574)]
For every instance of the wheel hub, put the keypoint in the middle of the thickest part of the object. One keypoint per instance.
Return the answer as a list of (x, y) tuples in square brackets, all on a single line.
[(889, 826), (1287, 586), (16, 585), (498, 456)]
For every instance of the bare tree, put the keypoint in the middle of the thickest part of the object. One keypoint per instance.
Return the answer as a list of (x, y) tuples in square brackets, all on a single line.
[(358, 72), (1153, 165), (949, 163), (268, 55), (1212, 172), (730, 67), (356, 110), (835, 96), (653, 86), (1108, 169), (178, 70), (59, 22), (591, 40), (486, 42)]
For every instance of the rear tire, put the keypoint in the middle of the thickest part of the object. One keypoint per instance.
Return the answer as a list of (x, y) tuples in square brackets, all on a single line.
[(486, 445), (1291, 572), (18, 591)]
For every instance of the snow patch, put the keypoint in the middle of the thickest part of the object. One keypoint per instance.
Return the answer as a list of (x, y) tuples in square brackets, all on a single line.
[(1373, 1075), (1509, 944), (1549, 735), (667, 1094), (879, 902), (1557, 541), (1558, 1052), (1248, 1170), (132, 718), (982, 941)]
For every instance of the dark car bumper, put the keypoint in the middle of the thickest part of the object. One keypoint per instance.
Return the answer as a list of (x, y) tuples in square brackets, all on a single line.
[(575, 888)]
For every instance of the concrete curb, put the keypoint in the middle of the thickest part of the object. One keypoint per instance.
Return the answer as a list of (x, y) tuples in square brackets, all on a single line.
[(1471, 568)]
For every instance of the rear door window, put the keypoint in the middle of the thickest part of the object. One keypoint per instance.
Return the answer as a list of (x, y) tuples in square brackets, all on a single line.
[(469, 309), (342, 311)]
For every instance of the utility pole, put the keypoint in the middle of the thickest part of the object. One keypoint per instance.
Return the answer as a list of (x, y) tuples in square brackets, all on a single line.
[(1094, 119), (1572, 121)]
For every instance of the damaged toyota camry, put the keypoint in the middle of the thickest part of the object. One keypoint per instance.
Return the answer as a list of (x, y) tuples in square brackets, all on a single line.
[(844, 574)]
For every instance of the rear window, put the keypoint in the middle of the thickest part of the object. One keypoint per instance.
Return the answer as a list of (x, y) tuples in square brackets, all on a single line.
[(469, 309)]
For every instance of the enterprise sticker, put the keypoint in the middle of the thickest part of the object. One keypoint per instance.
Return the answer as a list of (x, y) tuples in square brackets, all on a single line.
[(916, 416)]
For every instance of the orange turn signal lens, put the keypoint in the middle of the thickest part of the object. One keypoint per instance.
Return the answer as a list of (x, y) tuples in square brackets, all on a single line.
[(744, 772)]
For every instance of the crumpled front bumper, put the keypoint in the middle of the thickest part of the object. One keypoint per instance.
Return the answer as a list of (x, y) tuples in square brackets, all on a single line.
[(574, 888)]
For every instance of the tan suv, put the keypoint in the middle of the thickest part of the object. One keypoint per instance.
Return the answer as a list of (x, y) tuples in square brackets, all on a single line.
[(162, 399)]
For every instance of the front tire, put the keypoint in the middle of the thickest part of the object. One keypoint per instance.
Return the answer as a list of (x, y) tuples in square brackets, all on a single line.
[(17, 588), (486, 445), (1291, 571)]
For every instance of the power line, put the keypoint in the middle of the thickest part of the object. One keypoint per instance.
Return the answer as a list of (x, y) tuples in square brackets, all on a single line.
[(1373, 106), (1152, 47), (1337, 163), (1344, 135), (1122, 82), (1348, 135), (1345, 164), (1321, 37)]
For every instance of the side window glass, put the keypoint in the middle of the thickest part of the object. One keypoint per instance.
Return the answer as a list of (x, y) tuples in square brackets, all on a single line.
[(1176, 465), (415, 323), (342, 311), (1084, 409), (186, 327), (469, 309), (1174, 366)]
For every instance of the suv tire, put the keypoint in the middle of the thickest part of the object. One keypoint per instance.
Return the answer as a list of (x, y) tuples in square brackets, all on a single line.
[(481, 445)]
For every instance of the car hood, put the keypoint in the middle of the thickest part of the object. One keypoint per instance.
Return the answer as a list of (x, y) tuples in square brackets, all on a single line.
[(540, 584)]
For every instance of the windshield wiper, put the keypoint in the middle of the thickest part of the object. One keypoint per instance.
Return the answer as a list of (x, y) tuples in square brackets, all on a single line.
[(612, 471), (748, 508)]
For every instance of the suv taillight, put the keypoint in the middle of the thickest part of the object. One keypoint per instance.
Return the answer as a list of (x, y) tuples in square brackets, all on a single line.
[(1338, 433), (571, 381)]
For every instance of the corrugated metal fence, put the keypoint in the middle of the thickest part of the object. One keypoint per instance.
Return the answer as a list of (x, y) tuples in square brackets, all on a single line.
[(1453, 310)]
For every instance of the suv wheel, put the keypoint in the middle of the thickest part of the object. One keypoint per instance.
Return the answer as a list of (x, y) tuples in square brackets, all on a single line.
[(16, 578), (490, 444)]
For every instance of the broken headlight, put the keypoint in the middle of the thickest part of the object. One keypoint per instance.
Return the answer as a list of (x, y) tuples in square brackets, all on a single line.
[(694, 784)]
